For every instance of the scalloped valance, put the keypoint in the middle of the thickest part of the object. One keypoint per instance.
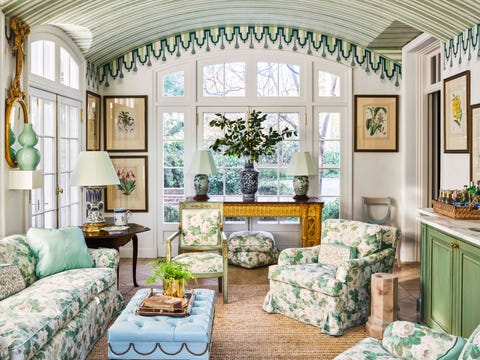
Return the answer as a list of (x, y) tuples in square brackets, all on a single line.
[(236, 37), (468, 41)]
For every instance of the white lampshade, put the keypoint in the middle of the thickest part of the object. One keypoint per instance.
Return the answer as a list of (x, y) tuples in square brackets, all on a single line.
[(301, 165), (94, 168), (25, 179), (202, 163)]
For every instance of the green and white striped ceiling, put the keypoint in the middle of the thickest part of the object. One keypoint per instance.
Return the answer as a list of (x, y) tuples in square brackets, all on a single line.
[(107, 29)]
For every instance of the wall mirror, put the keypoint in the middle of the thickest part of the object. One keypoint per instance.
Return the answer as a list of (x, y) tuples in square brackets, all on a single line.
[(16, 112)]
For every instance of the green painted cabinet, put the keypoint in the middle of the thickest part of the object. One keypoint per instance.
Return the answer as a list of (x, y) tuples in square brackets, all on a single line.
[(450, 282)]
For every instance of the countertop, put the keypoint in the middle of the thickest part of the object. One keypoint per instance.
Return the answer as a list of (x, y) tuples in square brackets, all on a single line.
[(468, 230)]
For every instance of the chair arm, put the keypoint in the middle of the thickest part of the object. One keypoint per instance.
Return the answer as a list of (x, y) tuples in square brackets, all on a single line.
[(168, 245), (296, 256), (411, 341), (103, 257), (381, 261)]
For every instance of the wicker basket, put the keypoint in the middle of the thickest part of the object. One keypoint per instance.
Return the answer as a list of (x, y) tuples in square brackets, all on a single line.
[(456, 212)]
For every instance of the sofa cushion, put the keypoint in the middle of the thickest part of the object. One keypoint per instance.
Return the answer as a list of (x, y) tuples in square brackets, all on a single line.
[(335, 254), (48, 305), (11, 280), (314, 277), (58, 250), (367, 238), (15, 250)]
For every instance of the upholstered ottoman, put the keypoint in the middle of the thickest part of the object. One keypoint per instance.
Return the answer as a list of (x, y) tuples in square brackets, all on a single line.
[(163, 337), (251, 249)]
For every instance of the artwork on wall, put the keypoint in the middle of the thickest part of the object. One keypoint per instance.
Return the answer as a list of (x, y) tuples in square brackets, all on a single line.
[(132, 193), (125, 123), (375, 123), (456, 113), (475, 148), (93, 121)]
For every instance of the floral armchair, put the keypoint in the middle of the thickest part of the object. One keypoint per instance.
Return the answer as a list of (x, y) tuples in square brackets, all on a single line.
[(328, 285), (202, 245), (406, 340)]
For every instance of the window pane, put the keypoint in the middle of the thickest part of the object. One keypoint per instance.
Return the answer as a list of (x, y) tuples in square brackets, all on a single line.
[(329, 126), (174, 84), (226, 79), (329, 182), (36, 67), (330, 154), (274, 79), (64, 67), (331, 208), (49, 60), (172, 154), (328, 84)]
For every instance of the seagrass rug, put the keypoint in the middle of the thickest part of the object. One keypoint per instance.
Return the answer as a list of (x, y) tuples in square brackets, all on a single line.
[(242, 330)]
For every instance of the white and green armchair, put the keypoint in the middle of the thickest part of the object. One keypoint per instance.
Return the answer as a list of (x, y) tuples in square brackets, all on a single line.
[(328, 285)]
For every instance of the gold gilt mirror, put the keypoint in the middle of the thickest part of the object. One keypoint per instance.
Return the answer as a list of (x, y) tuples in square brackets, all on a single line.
[(16, 113)]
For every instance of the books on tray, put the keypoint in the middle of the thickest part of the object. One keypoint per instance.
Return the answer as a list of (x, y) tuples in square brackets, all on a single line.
[(162, 302)]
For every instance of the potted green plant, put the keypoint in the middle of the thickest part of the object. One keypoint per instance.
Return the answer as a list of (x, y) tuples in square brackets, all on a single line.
[(250, 139), (174, 275)]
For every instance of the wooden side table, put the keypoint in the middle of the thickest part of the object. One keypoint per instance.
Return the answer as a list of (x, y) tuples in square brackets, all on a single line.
[(116, 240)]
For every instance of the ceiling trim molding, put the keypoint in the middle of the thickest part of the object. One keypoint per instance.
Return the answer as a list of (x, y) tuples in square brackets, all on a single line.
[(468, 41), (235, 37)]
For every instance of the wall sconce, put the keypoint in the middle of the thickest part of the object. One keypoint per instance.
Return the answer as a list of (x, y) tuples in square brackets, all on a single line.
[(301, 167), (202, 165)]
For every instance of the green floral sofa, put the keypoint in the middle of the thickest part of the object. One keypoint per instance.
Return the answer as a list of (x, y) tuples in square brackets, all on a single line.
[(328, 285), (58, 316), (406, 340)]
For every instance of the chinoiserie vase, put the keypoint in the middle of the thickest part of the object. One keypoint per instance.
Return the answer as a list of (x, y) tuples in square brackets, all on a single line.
[(248, 181), (28, 157), (174, 287)]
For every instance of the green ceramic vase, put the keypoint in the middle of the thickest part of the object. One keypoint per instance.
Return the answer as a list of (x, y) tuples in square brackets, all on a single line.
[(28, 157)]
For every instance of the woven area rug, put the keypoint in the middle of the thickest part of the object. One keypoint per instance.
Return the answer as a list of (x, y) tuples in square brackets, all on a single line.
[(242, 330)]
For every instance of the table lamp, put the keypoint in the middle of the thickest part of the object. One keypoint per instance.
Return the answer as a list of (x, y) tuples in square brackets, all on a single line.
[(94, 171), (301, 167), (202, 165)]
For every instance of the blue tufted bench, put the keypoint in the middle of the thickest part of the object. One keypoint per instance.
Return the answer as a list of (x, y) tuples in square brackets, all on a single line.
[(163, 337)]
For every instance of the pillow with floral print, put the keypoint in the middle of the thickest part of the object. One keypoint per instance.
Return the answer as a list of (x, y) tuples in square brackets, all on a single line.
[(11, 280), (335, 254)]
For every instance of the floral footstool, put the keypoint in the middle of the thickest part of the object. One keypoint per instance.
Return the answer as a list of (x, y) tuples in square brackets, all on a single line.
[(251, 249)]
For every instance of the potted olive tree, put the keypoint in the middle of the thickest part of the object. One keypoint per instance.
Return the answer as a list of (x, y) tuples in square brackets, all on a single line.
[(250, 139), (174, 275)]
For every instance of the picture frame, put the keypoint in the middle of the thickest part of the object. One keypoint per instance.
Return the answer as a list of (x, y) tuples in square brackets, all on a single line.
[(132, 193), (475, 143), (375, 123), (125, 123), (93, 111), (456, 113)]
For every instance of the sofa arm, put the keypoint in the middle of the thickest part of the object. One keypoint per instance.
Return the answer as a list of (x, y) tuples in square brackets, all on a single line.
[(412, 341), (296, 256), (105, 257), (381, 261)]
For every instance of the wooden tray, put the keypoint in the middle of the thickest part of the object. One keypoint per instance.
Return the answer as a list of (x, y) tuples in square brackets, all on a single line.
[(182, 312), (456, 212)]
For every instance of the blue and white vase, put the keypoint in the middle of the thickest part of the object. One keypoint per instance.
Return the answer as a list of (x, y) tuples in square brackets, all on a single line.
[(249, 181)]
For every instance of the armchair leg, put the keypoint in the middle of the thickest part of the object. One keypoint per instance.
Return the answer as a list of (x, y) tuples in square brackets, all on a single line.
[(220, 281), (225, 290)]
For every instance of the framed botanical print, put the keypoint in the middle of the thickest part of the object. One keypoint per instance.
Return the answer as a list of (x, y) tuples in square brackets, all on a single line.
[(125, 123), (375, 123), (132, 192), (93, 121), (456, 113), (475, 147)]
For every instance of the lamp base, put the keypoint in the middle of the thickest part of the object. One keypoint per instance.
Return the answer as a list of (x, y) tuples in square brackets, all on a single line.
[(201, 197), (300, 197), (93, 227)]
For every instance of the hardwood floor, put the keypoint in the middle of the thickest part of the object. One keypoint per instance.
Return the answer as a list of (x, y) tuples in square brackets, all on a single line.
[(408, 281)]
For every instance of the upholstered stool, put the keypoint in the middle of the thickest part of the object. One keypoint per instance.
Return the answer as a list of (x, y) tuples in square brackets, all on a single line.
[(251, 249), (163, 337)]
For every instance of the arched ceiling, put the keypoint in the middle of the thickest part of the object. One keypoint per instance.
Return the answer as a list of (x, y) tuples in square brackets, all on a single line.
[(106, 29)]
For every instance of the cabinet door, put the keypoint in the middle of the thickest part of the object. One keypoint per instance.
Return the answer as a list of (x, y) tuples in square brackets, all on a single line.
[(438, 282), (468, 288)]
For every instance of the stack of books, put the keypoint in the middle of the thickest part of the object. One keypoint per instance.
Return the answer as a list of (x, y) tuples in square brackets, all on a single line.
[(167, 303)]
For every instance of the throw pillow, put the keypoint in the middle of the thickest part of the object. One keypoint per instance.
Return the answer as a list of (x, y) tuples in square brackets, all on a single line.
[(11, 280), (57, 250), (335, 254)]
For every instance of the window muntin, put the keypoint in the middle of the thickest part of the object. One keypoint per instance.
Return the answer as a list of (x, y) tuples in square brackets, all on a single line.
[(276, 79), (43, 59), (224, 79)]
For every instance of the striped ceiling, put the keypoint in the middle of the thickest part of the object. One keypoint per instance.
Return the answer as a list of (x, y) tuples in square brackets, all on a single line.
[(107, 29)]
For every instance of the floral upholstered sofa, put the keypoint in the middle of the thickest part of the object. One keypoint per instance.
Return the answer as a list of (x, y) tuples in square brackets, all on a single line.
[(328, 285), (56, 296), (406, 340)]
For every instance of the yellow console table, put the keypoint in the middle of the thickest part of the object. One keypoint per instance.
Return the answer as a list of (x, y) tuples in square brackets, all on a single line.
[(309, 212)]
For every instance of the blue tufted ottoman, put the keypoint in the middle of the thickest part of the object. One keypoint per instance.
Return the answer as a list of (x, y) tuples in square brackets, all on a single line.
[(163, 337)]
